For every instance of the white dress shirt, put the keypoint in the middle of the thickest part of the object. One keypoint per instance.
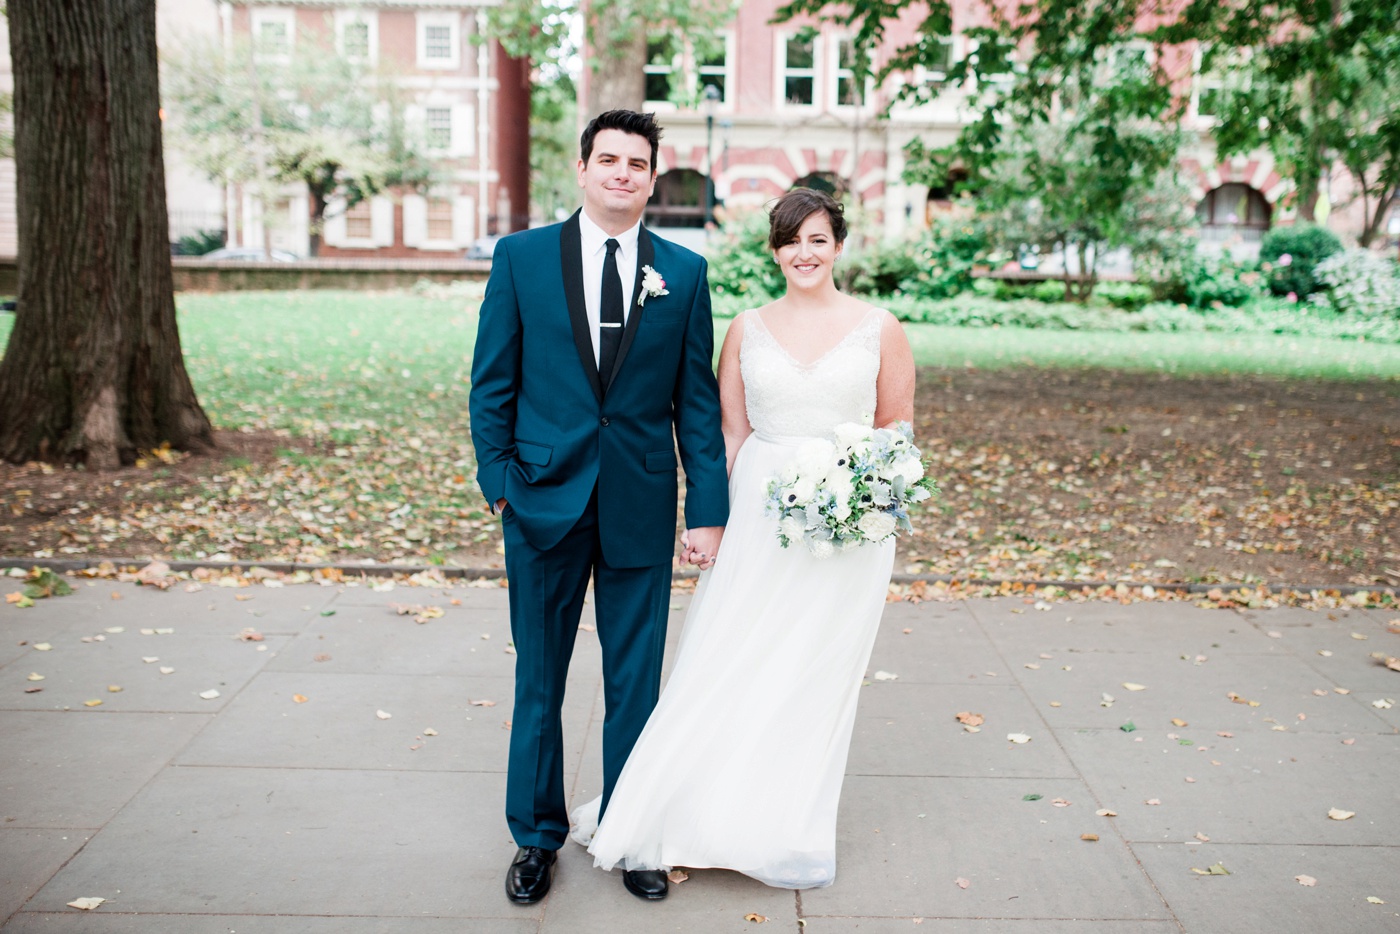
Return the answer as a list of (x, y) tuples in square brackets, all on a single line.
[(594, 241)]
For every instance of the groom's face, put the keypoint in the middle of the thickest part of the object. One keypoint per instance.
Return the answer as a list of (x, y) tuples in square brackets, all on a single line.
[(618, 178)]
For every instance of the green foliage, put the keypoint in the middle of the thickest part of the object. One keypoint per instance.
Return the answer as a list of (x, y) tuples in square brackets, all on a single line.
[(741, 265), (1359, 282), (1288, 256), (1312, 82), (944, 257), (553, 145), (318, 119), (197, 244), (1219, 281)]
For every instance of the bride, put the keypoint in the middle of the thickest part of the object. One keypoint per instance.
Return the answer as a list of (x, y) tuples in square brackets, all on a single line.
[(740, 765)]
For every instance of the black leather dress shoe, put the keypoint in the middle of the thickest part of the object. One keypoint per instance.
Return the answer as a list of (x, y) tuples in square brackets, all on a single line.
[(645, 883), (529, 875)]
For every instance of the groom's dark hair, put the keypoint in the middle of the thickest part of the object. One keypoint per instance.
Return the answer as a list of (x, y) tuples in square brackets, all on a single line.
[(628, 121)]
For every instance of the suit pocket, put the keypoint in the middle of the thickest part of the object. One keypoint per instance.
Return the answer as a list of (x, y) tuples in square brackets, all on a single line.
[(527, 452), (660, 461)]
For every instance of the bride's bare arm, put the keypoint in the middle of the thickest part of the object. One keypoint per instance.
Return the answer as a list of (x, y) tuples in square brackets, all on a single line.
[(734, 417), (894, 390)]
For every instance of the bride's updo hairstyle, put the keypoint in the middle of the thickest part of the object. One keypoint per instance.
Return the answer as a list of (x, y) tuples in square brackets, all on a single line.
[(793, 209)]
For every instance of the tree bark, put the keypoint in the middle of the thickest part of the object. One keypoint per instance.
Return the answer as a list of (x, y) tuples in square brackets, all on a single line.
[(93, 372), (619, 45)]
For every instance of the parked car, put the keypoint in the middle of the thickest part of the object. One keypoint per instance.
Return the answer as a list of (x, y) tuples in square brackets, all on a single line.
[(482, 247), (250, 254)]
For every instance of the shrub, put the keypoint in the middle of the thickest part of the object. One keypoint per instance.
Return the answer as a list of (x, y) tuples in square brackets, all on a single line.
[(197, 244), (944, 256), (1289, 255), (1359, 282), (1215, 281), (740, 262), (1129, 296)]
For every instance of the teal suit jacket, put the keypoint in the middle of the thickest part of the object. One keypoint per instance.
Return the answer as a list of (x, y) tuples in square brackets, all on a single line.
[(545, 432)]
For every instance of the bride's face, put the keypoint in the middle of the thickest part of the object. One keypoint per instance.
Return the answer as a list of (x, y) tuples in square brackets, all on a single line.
[(807, 259)]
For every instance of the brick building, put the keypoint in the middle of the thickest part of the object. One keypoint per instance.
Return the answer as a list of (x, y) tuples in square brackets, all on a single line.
[(787, 110), (468, 101)]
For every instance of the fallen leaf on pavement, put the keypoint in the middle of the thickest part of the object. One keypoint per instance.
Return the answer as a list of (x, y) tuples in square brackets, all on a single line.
[(383, 714), (755, 918), (1389, 661), (148, 659), (1373, 900), (1339, 814), (1018, 737), (1348, 742), (42, 646), (1362, 636), (1153, 801), (1060, 803), (886, 676), (1128, 727), (1105, 812), (114, 688), (250, 635), (1383, 703), (1089, 837), (677, 876), (1240, 700), (429, 731), (961, 883), (1202, 837), (1131, 686), (92, 703), (1106, 701), (1177, 721), (300, 698), (1306, 880), (969, 718), (86, 904), (209, 694), (166, 670), (1215, 870), (482, 703), (1324, 653), (35, 676), (1225, 733)]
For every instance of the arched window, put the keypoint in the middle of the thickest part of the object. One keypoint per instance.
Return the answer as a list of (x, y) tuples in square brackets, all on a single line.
[(1234, 210), (679, 200), (829, 182)]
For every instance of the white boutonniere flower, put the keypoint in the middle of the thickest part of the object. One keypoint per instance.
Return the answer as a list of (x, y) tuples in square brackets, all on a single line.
[(653, 286)]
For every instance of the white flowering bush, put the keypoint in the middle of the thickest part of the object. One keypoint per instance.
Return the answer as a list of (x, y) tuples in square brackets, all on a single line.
[(837, 495), (1359, 282)]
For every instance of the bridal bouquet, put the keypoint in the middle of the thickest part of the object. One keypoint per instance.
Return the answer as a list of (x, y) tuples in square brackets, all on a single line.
[(837, 495)]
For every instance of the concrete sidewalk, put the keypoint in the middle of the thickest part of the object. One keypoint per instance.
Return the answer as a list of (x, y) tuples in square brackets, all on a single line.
[(255, 812)]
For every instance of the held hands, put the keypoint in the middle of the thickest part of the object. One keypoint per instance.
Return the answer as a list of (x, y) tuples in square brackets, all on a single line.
[(699, 546)]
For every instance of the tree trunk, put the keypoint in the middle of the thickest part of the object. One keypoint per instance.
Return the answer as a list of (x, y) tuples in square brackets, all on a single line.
[(619, 44), (93, 372)]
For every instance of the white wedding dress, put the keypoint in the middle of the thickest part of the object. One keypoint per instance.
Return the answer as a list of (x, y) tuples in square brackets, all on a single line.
[(740, 765)]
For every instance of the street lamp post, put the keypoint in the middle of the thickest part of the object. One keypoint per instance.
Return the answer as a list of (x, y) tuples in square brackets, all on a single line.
[(709, 102)]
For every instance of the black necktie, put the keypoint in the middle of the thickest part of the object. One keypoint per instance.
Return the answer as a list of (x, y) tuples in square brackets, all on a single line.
[(610, 315)]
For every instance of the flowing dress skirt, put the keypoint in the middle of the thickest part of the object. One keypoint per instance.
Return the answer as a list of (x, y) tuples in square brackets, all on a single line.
[(740, 765)]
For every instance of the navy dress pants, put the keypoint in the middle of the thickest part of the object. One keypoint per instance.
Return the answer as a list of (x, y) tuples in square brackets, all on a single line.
[(546, 598)]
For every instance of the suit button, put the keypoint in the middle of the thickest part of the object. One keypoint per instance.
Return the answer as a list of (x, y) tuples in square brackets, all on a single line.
[(604, 421)]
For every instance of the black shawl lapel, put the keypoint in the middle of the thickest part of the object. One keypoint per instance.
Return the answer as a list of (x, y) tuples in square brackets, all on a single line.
[(571, 255), (646, 256)]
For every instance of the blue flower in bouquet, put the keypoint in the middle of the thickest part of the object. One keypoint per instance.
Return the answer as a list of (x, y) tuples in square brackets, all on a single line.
[(853, 490)]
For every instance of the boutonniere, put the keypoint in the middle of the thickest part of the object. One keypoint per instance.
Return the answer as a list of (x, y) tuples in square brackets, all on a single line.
[(653, 286)]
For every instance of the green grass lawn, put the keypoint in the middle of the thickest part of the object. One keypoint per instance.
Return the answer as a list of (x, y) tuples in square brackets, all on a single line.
[(370, 393)]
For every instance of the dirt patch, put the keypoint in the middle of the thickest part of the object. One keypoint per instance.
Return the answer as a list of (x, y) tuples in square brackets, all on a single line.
[(1086, 475)]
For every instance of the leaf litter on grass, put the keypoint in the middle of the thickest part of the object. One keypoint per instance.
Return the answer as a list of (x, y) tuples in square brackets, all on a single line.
[(342, 420)]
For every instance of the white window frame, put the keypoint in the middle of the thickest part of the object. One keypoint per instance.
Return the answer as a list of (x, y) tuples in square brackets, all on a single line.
[(653, 69), (924, 75), (265, 15), (1203, 81), (370, 18), (781, 70), (836, 72), (679, 59), (433, 145), (381, 218), (726, 101), (453, 21), (415, 222), (1000, 79)]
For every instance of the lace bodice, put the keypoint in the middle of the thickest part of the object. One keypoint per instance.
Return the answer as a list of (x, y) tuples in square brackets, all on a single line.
[(788, 398)]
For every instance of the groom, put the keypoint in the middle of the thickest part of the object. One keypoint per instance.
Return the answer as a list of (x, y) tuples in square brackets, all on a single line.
[(592, 367)]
